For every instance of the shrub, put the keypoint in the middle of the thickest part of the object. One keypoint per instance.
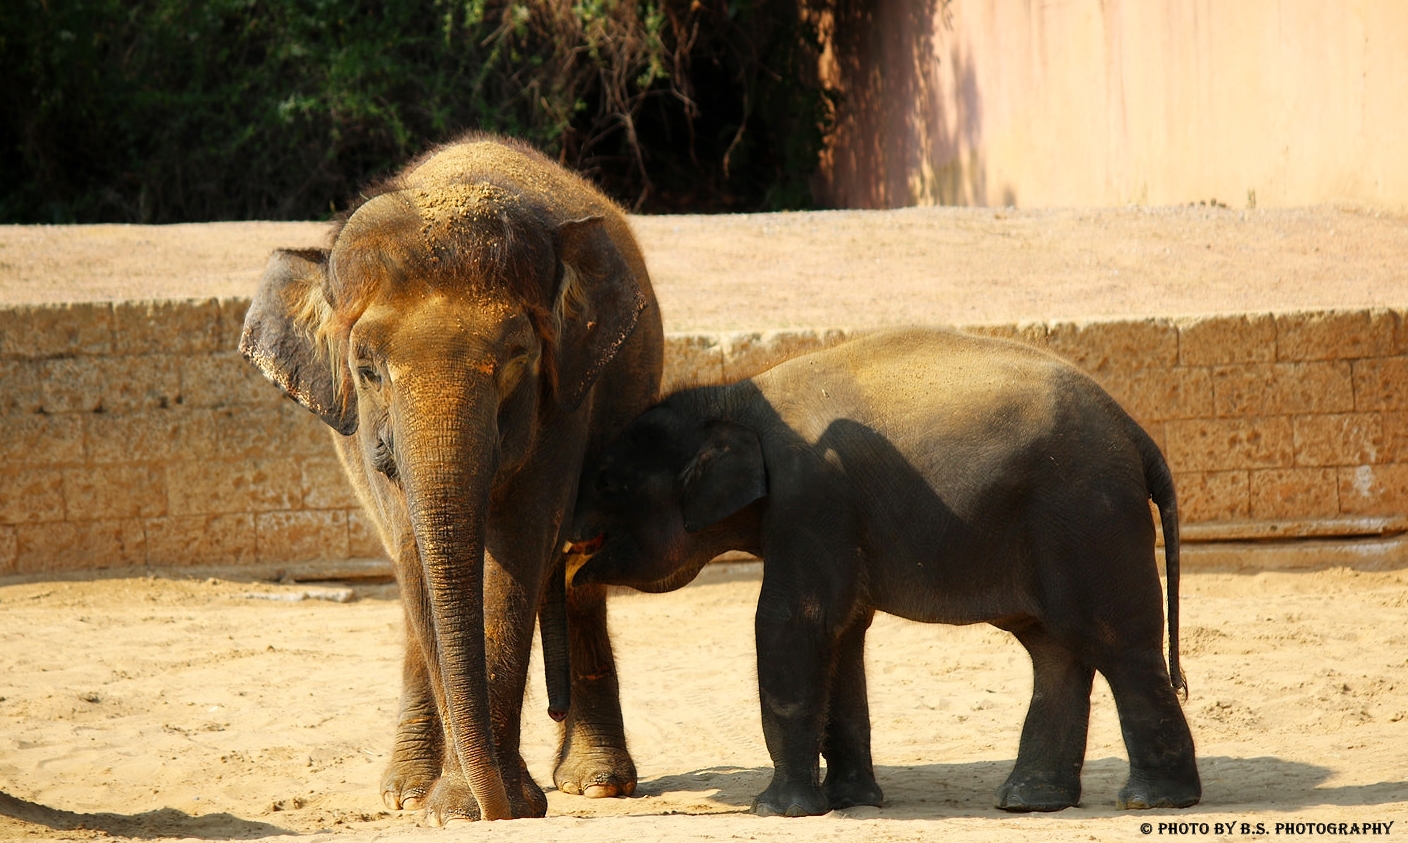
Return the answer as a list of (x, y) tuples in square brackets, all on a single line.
[(159, 111)]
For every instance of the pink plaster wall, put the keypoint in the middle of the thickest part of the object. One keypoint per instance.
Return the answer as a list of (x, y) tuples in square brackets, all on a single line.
[(1279, 103)]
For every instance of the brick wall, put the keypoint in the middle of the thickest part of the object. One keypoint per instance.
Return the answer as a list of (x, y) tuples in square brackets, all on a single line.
[(132, 434)]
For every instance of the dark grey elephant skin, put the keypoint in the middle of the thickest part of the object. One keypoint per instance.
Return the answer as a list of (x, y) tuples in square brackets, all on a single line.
[(933, 475), (477, 328)]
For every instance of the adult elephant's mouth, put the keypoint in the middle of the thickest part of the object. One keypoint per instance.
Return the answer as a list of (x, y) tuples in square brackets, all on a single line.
[(580, 552), (586, 548)]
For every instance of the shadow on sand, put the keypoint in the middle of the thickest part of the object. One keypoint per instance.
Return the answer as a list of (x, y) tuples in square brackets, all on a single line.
[(966, 790), (149, 825)]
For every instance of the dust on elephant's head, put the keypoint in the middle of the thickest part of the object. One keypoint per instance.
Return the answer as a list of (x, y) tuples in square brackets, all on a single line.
[(469, 271)]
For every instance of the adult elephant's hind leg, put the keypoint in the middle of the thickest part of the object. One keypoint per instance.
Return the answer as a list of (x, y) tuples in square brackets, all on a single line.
[(1163, 772), (593, 760), (1052, 752)]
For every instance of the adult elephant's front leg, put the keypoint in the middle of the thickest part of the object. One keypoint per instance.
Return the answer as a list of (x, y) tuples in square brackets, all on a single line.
[(417, 757), (418, 754), (592, 760)]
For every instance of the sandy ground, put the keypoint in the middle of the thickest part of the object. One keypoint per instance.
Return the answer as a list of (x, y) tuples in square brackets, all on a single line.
[(151, 707), (170, 707)]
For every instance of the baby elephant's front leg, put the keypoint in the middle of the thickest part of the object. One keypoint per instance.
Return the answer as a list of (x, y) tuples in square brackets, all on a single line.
[(794, 662)]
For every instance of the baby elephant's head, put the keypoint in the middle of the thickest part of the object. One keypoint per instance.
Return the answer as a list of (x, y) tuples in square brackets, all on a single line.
[(670, 493)]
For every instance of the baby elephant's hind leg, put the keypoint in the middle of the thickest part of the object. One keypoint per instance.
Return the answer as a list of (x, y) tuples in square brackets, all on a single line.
[(1047, 774), (1163, 772)]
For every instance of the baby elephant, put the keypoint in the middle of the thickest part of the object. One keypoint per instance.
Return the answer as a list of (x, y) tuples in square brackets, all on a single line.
[(937, 476)]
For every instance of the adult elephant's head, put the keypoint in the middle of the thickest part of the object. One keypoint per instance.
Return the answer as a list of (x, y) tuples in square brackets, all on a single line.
[(441, 329)]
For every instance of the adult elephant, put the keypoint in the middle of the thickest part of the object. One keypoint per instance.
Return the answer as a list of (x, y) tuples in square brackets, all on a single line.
[(477, 327)]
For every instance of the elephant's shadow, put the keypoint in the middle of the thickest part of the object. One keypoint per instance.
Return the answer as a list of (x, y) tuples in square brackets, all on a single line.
[(930, 791), (148, 825)]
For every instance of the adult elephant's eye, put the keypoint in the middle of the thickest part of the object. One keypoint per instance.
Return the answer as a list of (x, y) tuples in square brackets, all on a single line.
[(368, 374), (384, 458)]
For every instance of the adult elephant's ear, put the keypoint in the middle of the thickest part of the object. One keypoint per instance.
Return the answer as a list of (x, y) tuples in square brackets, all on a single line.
[(280, 330), (597, 306), (725, 475)]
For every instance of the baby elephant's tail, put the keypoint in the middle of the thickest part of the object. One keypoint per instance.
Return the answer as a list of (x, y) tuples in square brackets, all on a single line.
[(1159, 479)]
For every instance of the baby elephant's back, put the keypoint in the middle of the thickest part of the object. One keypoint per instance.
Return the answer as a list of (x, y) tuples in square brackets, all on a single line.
[(963, 446), (926, 388)]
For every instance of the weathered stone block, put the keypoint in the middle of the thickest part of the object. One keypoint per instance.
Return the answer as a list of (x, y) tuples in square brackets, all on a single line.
[(748, 353), (1222, 444), (1374, 489), (1335, 334), (280, 430), (1338, 439), (204, 488), (20, 393), (1212, 496), (225, 380), (1155, 394), (80, 545), (1027, 333), (9, 551), (1224, 340), (325, 485), (155, 435), (301, 536), (1104, 347), (1294, 493), (691, 360), (109, 384), (1283, 389), (201, 540), (115, 491), (1381, 384), (232, 312), (38, 331), (1395, 437), (362, 539), (31, 495), (38, 440), (168, 326)]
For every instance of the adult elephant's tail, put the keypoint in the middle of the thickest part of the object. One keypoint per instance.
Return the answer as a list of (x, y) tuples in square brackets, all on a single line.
[(1159, 480)]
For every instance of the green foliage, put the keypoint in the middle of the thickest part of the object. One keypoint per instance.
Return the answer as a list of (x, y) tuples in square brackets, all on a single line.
[(192, 110)]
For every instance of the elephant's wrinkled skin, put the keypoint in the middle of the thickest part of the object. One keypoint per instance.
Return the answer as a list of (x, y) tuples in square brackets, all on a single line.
[(936, 476), (478, 326)]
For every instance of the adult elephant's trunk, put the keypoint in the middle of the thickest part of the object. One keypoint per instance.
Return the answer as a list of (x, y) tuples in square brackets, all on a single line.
[(447, 455)]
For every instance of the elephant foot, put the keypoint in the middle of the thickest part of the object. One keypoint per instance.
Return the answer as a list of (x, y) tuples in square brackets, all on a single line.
[(451, 802), (851, 789), (598, 773), (783, 799), (1037, 795), (406, 784), (1139, 794)]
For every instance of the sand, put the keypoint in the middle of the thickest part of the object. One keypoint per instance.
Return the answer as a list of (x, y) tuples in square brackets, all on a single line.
[(168, 707)]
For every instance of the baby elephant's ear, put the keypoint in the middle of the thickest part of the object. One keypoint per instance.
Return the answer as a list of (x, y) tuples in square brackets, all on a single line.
[(726, 475)]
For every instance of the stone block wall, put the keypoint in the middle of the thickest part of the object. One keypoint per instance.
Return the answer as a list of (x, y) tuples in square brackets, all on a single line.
[(132, 433)]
